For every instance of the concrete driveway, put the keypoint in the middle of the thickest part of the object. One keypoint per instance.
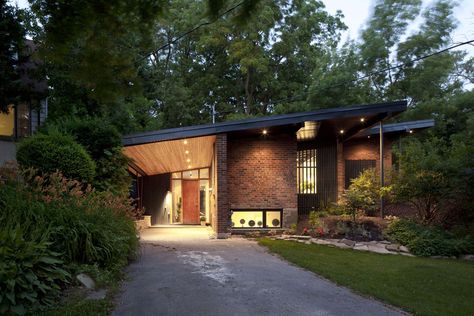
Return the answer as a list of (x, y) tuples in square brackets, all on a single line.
[(183, 272)]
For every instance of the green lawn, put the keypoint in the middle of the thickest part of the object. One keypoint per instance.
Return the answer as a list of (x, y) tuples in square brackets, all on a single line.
[(422, 286)]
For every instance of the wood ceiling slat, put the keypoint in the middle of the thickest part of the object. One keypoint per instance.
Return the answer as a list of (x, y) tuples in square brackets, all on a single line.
[(170, 156)]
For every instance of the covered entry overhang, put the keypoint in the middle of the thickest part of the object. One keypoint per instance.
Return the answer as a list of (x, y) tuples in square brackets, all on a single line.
[(171, 159), (172, 155)]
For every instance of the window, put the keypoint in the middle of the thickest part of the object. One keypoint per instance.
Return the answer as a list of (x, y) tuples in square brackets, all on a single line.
[(7, 122), (306, 169), (204, 173), (190, 174), (253, 219)]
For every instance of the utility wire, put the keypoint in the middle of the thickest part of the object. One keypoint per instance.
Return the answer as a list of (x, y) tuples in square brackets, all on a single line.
[(179, 37), (402, 65)]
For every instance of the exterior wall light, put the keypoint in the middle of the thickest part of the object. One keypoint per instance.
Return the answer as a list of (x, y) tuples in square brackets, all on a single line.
[(264, 132), (410, 131), (341, 131)]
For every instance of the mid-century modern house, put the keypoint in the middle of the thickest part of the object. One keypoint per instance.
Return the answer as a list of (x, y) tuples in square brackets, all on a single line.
[(260, 173)]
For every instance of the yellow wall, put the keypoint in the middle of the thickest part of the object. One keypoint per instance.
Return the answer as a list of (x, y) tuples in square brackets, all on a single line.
[(7, 122)]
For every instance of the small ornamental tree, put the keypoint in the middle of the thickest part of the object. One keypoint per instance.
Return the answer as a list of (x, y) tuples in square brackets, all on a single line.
[(56, 152), (364, 194)]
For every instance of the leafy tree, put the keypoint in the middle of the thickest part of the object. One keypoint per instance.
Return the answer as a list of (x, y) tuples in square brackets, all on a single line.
[(241, 70)]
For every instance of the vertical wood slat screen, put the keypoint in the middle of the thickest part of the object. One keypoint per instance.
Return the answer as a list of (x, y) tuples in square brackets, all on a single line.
[(306, 167)]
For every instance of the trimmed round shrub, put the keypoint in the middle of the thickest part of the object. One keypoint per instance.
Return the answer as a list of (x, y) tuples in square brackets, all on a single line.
[(56, 152)]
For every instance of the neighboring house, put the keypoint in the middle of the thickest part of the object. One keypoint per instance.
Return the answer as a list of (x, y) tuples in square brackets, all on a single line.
[(260, 173), (23, 118)]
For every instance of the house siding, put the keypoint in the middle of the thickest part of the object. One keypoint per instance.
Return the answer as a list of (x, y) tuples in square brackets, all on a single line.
[(262, 174)]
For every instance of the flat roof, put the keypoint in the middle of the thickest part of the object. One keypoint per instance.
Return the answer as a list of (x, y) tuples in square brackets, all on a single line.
[(390, 108), (399, 127)]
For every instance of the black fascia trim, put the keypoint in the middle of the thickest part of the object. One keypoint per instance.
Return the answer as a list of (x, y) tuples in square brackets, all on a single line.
[(399, 127), (262, 122)]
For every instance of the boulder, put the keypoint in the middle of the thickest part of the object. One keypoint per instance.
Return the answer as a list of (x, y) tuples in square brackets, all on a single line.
[(361, 247), (348, 242), (86, 280), (378, 248), (392, 247), (404, 249), (342, 245), (97, 295)]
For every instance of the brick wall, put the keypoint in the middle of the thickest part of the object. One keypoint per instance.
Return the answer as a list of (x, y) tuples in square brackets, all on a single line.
[(262, 173)]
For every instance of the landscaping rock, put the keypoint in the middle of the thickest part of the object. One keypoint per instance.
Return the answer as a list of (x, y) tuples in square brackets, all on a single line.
[(378, 248), (467, 257), (342, 245), (404, 249), (97, 295), (301, 237), (392, 247), (86, 280), (385, 242), (320, 241), (348, 242), (361, 247)]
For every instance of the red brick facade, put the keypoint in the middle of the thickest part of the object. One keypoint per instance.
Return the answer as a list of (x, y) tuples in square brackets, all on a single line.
[(262, 174)]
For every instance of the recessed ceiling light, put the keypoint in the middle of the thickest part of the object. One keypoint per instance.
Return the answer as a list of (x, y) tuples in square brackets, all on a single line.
[(185, 142), (411, 131), (189, 166), (188, 160), (362, 119), (368, 136), (264, 132), (341, 131), (186, 152)]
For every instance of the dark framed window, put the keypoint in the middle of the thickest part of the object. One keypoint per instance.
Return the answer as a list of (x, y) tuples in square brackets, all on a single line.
[(306, 169), (256, 218)]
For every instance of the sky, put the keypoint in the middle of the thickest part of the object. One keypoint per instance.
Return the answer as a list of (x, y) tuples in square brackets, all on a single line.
[(356, 13)]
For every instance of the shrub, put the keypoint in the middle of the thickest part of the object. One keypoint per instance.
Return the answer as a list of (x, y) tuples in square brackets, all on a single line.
[(364, 194), (428, 240), (104, 144), (30, 272), (81, 225), (49, 153)]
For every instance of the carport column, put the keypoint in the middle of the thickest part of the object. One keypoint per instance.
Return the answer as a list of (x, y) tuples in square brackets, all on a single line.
[(340, 169), (223, 212)]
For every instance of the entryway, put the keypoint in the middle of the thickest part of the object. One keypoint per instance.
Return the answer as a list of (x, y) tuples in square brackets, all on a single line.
[(190, 202)]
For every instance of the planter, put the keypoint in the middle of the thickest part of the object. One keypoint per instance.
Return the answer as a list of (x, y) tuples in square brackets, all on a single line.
[(147, 219)]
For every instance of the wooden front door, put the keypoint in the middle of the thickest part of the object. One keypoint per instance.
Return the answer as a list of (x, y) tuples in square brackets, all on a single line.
[(190, 201)]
